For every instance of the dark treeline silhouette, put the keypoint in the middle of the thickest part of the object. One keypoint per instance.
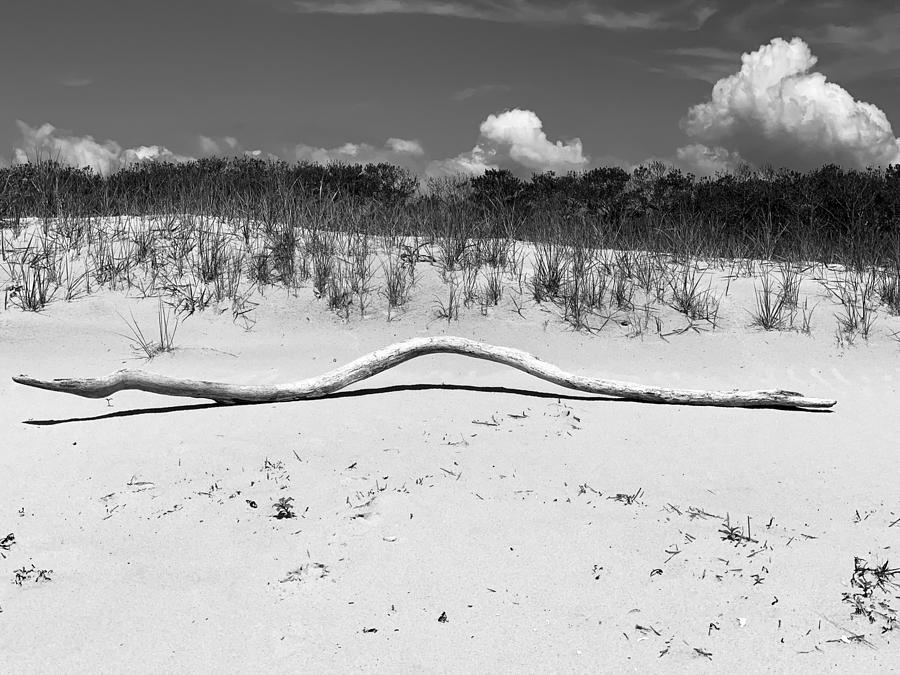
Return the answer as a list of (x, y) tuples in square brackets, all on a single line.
[(829, 214)]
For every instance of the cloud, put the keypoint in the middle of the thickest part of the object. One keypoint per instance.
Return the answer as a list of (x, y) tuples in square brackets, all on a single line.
[(857, 39), (522, 133), (619, 15), (404, 147), (686, 16), (703, 52), (474, 162), (481, 90), (701, 160), (877, 35), (259, 154), (861, 26), (398, 151), (46, 142), (708, 64), (777, 110), (862, 40), (514, 139), (223, 145), (150, 153), (229, 146), (76, 81)]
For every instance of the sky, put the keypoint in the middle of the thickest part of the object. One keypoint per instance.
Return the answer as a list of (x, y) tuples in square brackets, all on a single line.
[(448, 86)]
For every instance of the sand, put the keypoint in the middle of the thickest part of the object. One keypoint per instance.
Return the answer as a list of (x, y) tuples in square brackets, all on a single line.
[(451, 515)]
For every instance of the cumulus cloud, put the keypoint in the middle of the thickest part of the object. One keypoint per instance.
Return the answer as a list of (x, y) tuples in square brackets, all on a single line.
[(514, 139), (777, 110), (150, 153), (522, 132), (83, 151), (619, 15)]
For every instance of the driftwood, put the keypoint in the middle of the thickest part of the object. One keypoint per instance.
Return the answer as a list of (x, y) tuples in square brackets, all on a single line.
[(382, 359)]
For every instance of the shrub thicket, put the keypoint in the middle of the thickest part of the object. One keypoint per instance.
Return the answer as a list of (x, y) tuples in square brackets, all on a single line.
[(826, 215)]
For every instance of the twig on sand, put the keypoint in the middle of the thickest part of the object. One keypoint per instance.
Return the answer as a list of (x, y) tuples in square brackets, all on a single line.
[(695, 512), (492, 423), (628, 499)]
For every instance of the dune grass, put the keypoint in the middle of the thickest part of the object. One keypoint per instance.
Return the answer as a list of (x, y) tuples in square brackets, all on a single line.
[(604, 247)]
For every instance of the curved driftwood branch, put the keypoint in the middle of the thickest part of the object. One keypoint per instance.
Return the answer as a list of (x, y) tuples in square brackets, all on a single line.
[(382, 359)]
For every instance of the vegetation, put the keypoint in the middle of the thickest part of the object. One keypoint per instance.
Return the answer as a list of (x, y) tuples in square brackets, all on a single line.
[(597, 244)]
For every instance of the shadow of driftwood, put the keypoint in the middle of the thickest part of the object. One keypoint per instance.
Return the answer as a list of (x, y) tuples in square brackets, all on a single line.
[(368, 391), (375, 391)]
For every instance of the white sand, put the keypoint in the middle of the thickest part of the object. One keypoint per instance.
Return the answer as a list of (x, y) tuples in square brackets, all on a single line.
[(408, 509)]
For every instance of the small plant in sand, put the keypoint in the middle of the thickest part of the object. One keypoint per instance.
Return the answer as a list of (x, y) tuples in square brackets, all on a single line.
[(469, 274), (771, 306), (188, 296), (687, 296), (362, 276), (889, 290), (450, 309), (314, 570), (736, 533), (622, 290), (7, 543), (284, 508), (323, 264), (639, 320), (399, 277), (273, 465), (806, 317), (492, 290), (275, 471), (241, 307), (856, 294), (548, 274), (789, 283), (32, 286), (23, 574), (167, 326), (339, 292), (873, 589)]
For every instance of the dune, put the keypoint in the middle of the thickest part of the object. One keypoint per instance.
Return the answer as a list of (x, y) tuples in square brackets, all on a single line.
[(449, 514)]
